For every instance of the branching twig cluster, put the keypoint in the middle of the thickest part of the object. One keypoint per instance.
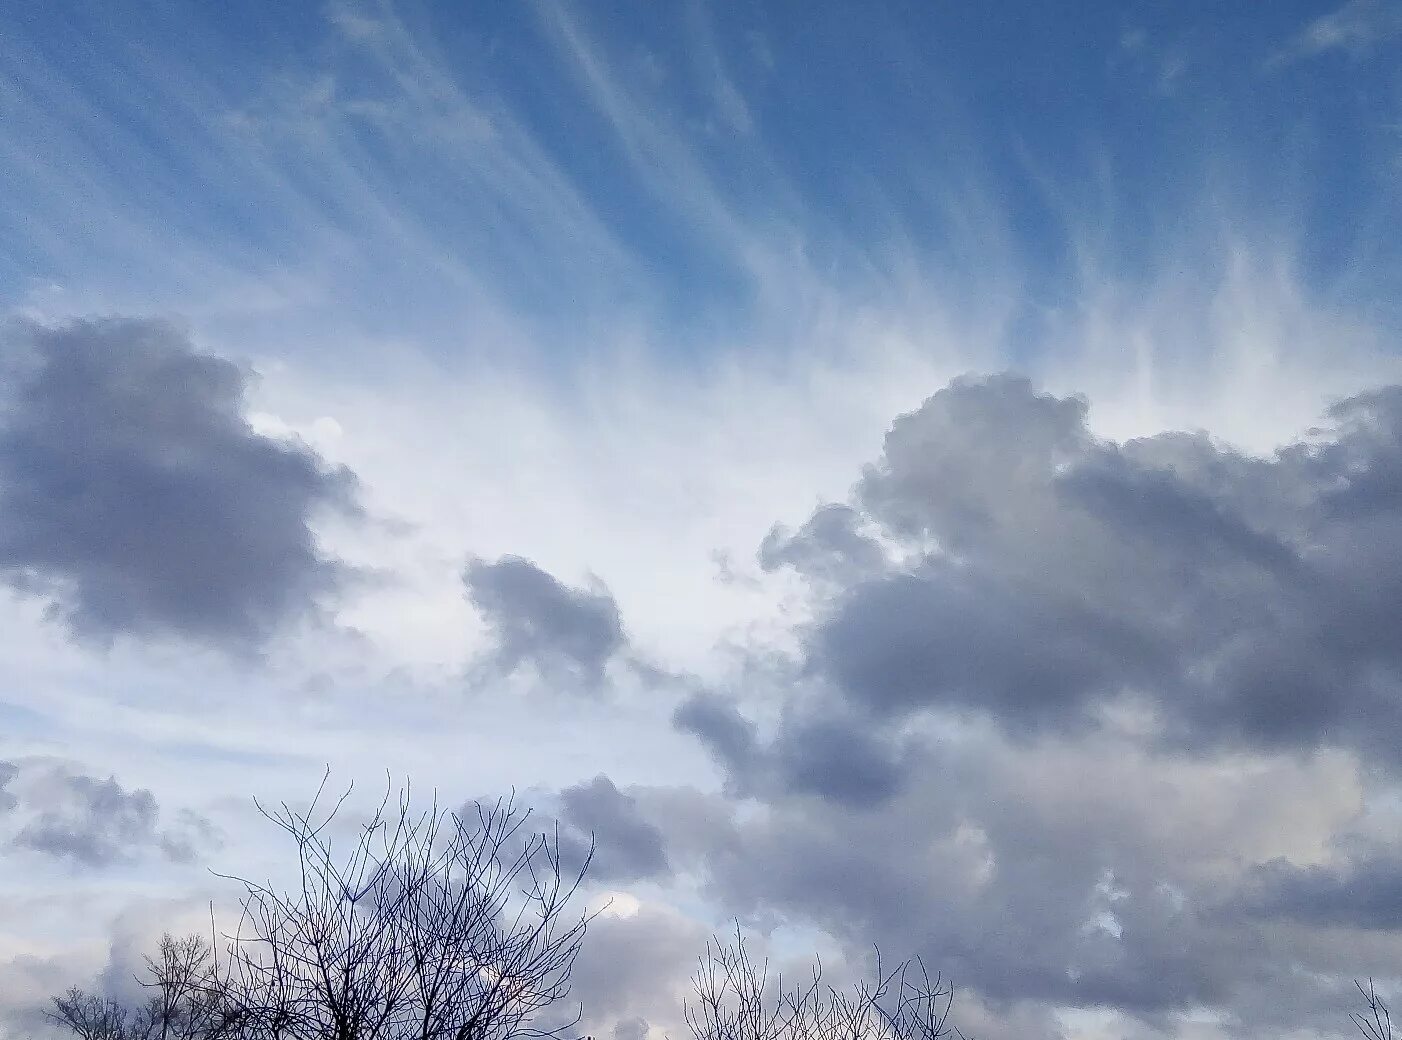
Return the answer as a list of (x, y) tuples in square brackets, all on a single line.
[(1376, 1024), (737, 1000)]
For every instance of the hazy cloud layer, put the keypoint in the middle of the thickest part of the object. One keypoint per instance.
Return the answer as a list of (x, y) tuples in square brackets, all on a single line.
[(537, 620), (136, 497)]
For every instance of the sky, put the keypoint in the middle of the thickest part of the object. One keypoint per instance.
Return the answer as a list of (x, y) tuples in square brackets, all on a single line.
[(906, 475)]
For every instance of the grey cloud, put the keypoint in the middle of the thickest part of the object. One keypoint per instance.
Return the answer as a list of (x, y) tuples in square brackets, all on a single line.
[(97, 822), (110, 965), (1057, 739), (838, 758), (717, 722), (628, 846), (828, 545), (949, 470), (965, 637), (634, 967), (1075, 871), (537, 620), (137, 497), (8, 771), (817, 748), (27, 983), (1160, 508), (1049, 575), (1364, 893)]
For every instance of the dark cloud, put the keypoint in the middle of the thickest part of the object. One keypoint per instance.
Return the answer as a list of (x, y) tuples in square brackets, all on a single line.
[(627, 846), (1364, 893), (950, 635), (1161, 509), (536, 620), (717, 722), (816, 749), (8, 771), (841, 759), (1040, 576), (137, 497), (97, 822)]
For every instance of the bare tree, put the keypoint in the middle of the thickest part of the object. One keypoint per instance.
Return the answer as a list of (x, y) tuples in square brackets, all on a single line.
[(736, 999), (92, 1017), (188, 1000), (431, 926), (428, 925)]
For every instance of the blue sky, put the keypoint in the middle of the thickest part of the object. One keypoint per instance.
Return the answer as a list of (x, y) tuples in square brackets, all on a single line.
[(911, 473), (580, 164)]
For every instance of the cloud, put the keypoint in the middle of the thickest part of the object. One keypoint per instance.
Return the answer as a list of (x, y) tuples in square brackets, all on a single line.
[(1041, 576), (635, 965), (97, 822), (722, 729), (135, 496), (828, 545), (8, 771), (1031, 873), (628, 847), (1084, 726), (536, 620), (1365, 892), (843, 759), (817, 749), (1356, 29)]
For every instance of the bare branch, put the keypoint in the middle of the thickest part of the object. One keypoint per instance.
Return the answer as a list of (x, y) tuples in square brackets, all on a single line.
[(734, 1000)]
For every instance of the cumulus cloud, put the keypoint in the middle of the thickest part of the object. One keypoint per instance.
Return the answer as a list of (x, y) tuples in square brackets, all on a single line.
[(1032, 873), (136, 497), (97, 822), (718, 723), (817, 748), (1042, 576), (829, 545), (538, 621), (1082, 722), (628, 847)]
